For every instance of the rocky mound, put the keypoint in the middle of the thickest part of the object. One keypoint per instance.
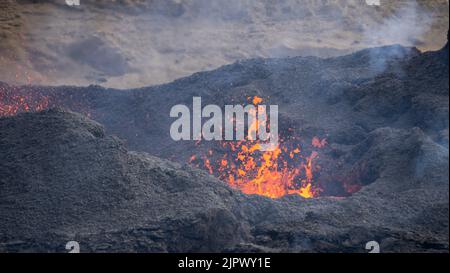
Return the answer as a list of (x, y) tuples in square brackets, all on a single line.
[(343, 100), (62, 178), (384, 112)]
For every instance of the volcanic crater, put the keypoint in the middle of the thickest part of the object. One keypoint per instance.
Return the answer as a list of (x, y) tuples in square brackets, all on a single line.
[(363, 156)]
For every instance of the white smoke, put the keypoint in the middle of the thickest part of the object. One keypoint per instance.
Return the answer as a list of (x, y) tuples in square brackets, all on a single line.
[(406, 26)]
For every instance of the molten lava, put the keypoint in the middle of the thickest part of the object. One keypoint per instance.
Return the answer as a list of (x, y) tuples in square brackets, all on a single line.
[(287, 169), (274, 173), (13, 102)]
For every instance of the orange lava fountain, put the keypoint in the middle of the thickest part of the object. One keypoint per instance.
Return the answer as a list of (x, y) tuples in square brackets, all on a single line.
[(274, 174)]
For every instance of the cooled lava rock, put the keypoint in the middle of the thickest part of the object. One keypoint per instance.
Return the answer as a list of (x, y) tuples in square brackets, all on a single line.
[(384, 112), (64, 179)]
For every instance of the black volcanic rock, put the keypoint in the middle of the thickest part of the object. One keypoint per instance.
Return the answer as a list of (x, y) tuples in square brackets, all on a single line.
[(62, 178), (342, 98), (384, 112)]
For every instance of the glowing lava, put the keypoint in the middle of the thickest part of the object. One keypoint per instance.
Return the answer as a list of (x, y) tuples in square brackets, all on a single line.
[(274, 174), (13, 102)]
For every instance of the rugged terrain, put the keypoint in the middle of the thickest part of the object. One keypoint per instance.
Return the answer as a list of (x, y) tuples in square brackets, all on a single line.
[(384, 112), (64, 179)]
